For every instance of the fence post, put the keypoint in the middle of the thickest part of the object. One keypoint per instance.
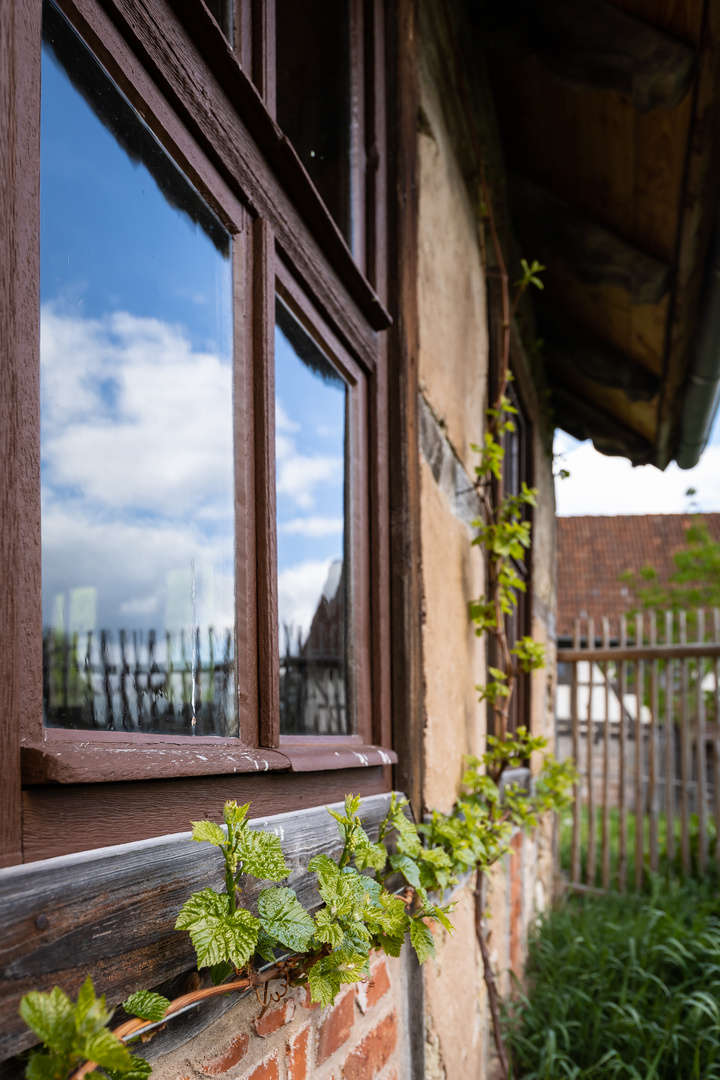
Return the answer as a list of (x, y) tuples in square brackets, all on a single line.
[(669, 743), (652, 755), (639, 759), (590, 740), (606, 765), (701, 753), (622, 853), (684, 755), (575, 866)]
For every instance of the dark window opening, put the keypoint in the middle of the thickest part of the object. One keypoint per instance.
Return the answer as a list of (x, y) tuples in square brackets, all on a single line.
[(314, 95)]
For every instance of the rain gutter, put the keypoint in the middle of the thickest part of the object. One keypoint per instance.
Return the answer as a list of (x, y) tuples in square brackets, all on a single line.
[(703, 389)]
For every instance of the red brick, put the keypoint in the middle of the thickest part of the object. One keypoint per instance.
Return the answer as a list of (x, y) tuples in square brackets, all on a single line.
[(336, 1027), (268, 1069), (234, 1053), (367, 1059), (307, 1002), (298, 1055), (379, 984), (274, 1019)]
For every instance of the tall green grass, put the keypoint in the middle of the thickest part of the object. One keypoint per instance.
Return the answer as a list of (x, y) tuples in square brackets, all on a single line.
[(622, 987)]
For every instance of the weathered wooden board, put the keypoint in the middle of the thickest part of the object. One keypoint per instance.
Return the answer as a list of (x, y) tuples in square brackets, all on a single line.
[(111, 912)]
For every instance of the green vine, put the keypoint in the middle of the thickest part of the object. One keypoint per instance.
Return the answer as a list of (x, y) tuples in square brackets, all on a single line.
[(373, 896)]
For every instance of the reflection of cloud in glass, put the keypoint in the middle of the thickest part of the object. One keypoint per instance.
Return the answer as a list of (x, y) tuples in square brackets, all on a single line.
[(151, 449), (136, 494)]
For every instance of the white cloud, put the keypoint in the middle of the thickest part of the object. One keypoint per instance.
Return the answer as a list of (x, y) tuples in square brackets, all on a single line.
[(609, 485), (312, 526), (137, 468), (282, 420), (299, 590), (133, 417)]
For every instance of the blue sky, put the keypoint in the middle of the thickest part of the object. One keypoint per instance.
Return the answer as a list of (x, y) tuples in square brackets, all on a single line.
[(136, 389), (310, 438), (604, 485)]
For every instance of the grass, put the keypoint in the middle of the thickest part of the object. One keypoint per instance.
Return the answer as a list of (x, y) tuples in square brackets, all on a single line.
[(565, 842), (623, 987)]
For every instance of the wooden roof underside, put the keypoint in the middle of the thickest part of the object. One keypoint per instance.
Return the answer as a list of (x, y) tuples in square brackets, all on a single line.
[(610, 122)]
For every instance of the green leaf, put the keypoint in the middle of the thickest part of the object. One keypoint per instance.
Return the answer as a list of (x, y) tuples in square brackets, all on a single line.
[(373, 855), (441, 915), (47, 1067), (107, 1050), (216, 934), (209, 832), (234, 814), (51, 1016), (407, 867), (90, 1012), (392, 916), (283, 916), (146, 1005), (323, 988), (327, 930), (139, 1070), (327, 872), (342, 890), (261, 855), (219, 972), (391, 945), (422, 939)]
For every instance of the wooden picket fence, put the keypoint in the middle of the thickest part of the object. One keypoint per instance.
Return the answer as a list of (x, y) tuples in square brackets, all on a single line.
[(638, 712)]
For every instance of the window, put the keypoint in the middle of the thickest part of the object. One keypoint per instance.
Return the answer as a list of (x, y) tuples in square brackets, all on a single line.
[(136, 419), (203, 588)]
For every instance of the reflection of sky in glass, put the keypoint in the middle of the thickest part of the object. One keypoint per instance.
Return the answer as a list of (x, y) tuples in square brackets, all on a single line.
[(310, 403), (136, 407), (310, 449)]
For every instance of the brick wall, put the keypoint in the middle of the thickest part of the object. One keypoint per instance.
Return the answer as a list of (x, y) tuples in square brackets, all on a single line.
[(359, 1038)]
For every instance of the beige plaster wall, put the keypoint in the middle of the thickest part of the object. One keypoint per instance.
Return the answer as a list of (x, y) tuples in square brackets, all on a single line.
[(451, 287), (453, 358)]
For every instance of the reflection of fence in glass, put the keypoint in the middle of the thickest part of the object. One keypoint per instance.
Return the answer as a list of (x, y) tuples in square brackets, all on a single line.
[(313, 687), (138, 681)]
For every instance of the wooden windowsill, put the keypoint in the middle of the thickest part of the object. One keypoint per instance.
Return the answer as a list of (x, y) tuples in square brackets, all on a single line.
[(75, 757), (312, 753)]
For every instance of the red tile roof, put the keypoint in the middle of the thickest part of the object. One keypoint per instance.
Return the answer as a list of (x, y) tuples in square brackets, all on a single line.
[(594, 551)]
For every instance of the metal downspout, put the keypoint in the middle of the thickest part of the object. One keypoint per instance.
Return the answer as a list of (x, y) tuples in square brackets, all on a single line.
[(703, 388)]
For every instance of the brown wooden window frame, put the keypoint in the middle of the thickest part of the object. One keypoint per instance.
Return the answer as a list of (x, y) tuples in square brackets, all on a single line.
[(187, 83)]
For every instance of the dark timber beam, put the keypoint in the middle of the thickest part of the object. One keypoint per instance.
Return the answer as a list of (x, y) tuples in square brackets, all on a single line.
[(585, 421), (595, 44), (552, 228), (570, 348)]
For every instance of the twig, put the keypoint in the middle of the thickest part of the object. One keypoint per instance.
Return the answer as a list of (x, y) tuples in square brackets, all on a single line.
[(489, 977), (132, 1027)]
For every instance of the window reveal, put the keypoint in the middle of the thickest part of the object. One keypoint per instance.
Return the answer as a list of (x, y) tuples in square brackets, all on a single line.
[(136, 419), (312, 543)]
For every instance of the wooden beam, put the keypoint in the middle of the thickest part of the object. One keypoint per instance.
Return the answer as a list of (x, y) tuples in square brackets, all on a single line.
[(583, 420), (570, 348), (594, 44), (552, 228), (698, 207), (111, 912)]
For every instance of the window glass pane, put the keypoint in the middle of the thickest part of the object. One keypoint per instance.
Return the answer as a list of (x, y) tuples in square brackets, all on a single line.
[(311, 454), (136, 419), (313, 94)]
